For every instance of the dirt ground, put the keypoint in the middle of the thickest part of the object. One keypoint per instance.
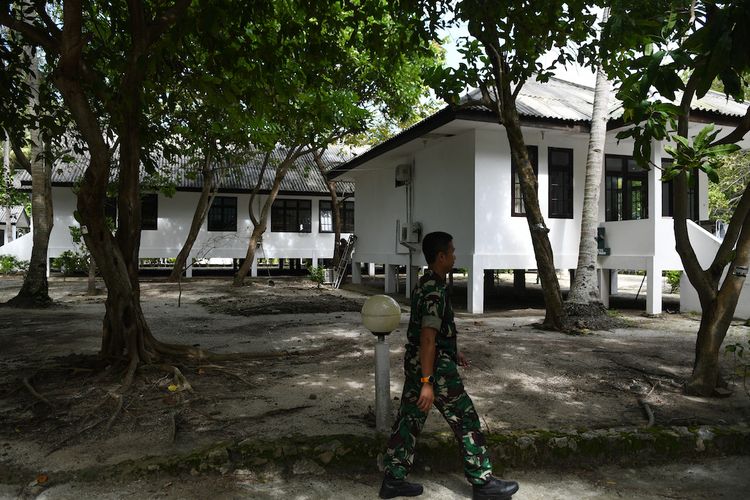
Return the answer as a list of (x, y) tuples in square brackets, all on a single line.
[(309, 369)]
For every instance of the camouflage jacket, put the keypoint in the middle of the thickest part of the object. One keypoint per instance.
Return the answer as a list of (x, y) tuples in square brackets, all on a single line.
[(431, 307)]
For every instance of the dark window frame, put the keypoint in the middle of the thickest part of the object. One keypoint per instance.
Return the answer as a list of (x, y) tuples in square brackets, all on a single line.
[(516, 197), (284, 210), (149, 203), (222, 215), (347, 216), (624, 193), (667, 196), (566, 212)]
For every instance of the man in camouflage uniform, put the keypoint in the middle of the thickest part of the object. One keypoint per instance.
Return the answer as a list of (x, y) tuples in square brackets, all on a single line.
[(431, 377)]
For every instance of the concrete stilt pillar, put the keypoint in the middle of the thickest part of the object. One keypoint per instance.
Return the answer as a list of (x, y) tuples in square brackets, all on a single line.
[(356, 273), (604, 276), (475, 290), (613, 285), (48, 265), (519, 279), (189, 270), (254, 268), (314, 261), (371, 269), (391, 285), (653, 281)]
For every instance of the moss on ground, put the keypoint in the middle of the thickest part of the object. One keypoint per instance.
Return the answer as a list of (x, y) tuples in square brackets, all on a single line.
[(360, 454)]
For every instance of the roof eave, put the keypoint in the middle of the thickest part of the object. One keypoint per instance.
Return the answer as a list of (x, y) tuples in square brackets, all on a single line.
[(442, 117)]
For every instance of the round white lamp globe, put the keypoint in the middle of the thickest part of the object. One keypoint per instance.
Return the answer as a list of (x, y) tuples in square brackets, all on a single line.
[(381, 314)]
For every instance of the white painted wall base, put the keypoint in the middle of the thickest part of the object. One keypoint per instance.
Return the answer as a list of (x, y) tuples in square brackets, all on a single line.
[(371, 269)]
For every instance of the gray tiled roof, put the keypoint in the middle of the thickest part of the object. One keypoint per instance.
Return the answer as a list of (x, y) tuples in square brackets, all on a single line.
[(302, 177), (15, 212), (561, 100)]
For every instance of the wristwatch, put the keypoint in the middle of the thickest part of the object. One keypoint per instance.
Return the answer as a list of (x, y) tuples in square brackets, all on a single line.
[(430, 379)]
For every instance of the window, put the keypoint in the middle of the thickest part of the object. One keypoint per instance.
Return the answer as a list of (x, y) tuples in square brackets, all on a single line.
[(625, 189), (291, 216), (560, 183), (326, 217), (667, 194), (517, 208), (222, 216), (149, 211)]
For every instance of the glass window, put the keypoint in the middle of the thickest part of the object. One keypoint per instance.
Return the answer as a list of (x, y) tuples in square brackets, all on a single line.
[(625, 189), (291, 216), (667, 194), (222, 216), (149, 211), (517, 207), (326, 217), (560, 183)]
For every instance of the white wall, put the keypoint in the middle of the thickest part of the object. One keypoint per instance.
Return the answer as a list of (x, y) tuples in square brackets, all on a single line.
[(503, 241), (444, 192), (174, 217), (379, 205)]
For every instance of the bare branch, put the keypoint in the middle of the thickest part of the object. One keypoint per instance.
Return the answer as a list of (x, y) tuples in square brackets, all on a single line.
[(21, 157), (41, 10), (722, 257), (738, 133), (33, 34), (256, 188)]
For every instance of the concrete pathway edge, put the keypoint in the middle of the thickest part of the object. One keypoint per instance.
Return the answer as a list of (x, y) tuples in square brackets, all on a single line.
[(361, 454)]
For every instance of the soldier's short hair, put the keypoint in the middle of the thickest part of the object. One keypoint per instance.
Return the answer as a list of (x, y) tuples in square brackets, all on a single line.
[(434, 243)]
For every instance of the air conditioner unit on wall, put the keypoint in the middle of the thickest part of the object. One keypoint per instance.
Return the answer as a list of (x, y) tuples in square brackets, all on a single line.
[(410, 234)]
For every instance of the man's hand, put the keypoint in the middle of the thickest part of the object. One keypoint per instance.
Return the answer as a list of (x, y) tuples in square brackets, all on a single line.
[(426, 397), (463, 361)]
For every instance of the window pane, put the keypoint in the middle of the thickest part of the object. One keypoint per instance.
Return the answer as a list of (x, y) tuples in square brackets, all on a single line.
[(222, 216), (326, 217), (149, 211)]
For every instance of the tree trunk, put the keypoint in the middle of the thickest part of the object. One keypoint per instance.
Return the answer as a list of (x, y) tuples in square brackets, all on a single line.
[(706, 368), (336, 206), (260, 223), (555, 317), (584, 291), (91, 281), (201, 211), (125, 332), (718, 303), (335, 209), (504, 104), (35, 289)]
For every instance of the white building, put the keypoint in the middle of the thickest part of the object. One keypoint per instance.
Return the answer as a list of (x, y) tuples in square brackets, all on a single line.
[(20, 224), (453, 172), (300, 225)]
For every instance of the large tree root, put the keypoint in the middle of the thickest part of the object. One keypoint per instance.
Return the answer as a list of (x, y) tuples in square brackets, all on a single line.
[(27, 384)]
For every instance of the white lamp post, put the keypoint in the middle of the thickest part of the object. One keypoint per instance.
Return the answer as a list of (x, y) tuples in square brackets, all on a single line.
[(381, 315)]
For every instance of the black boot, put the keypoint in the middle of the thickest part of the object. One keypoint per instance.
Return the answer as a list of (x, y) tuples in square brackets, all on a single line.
[(495, 489), (392, 488)]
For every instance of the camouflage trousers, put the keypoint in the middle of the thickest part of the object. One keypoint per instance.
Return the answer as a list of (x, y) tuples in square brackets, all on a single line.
[(455, 406)]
